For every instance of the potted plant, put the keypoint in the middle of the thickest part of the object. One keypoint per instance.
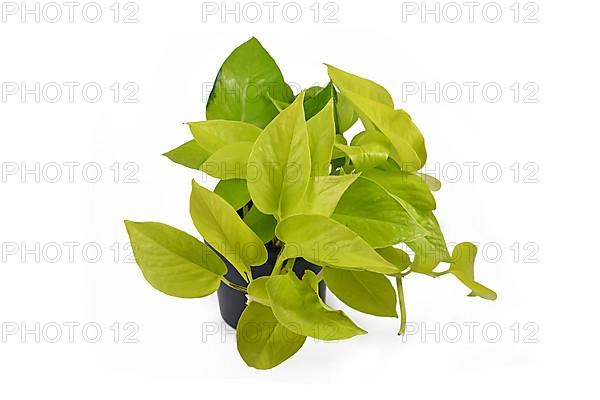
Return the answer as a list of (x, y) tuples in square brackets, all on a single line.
[(297, 206)]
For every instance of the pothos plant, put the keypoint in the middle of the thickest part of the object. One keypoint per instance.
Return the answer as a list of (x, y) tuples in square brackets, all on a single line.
[(291, 181)]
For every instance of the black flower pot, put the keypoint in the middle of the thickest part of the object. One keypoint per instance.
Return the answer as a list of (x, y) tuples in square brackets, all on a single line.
[(232, 302)]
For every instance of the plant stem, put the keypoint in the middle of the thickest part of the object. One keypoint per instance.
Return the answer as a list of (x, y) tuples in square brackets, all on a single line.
[(235, 286), (320, 275), (335, 114), (402, 306), (278, 263), (289, 264)]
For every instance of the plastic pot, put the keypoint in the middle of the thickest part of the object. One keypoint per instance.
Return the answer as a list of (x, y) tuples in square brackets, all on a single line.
[(232, 302)]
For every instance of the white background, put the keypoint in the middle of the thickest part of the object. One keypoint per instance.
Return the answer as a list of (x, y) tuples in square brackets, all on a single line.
[(171, 55)]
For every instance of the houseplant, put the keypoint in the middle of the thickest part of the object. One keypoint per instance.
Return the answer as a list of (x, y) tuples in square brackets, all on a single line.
[(292, 186)]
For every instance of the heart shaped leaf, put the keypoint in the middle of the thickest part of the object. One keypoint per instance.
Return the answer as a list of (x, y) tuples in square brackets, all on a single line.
[(174, 262), (222, 228), (189, 154), (373, 213), (246, 80), (325, 242), (346, 81), (280, 163), (407, 186), (262, 341), (296, 304), (214, 135), (364, 291)]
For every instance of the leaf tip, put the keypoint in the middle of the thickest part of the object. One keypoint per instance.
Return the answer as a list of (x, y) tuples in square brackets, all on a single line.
[(488, 295), (300, 98)]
